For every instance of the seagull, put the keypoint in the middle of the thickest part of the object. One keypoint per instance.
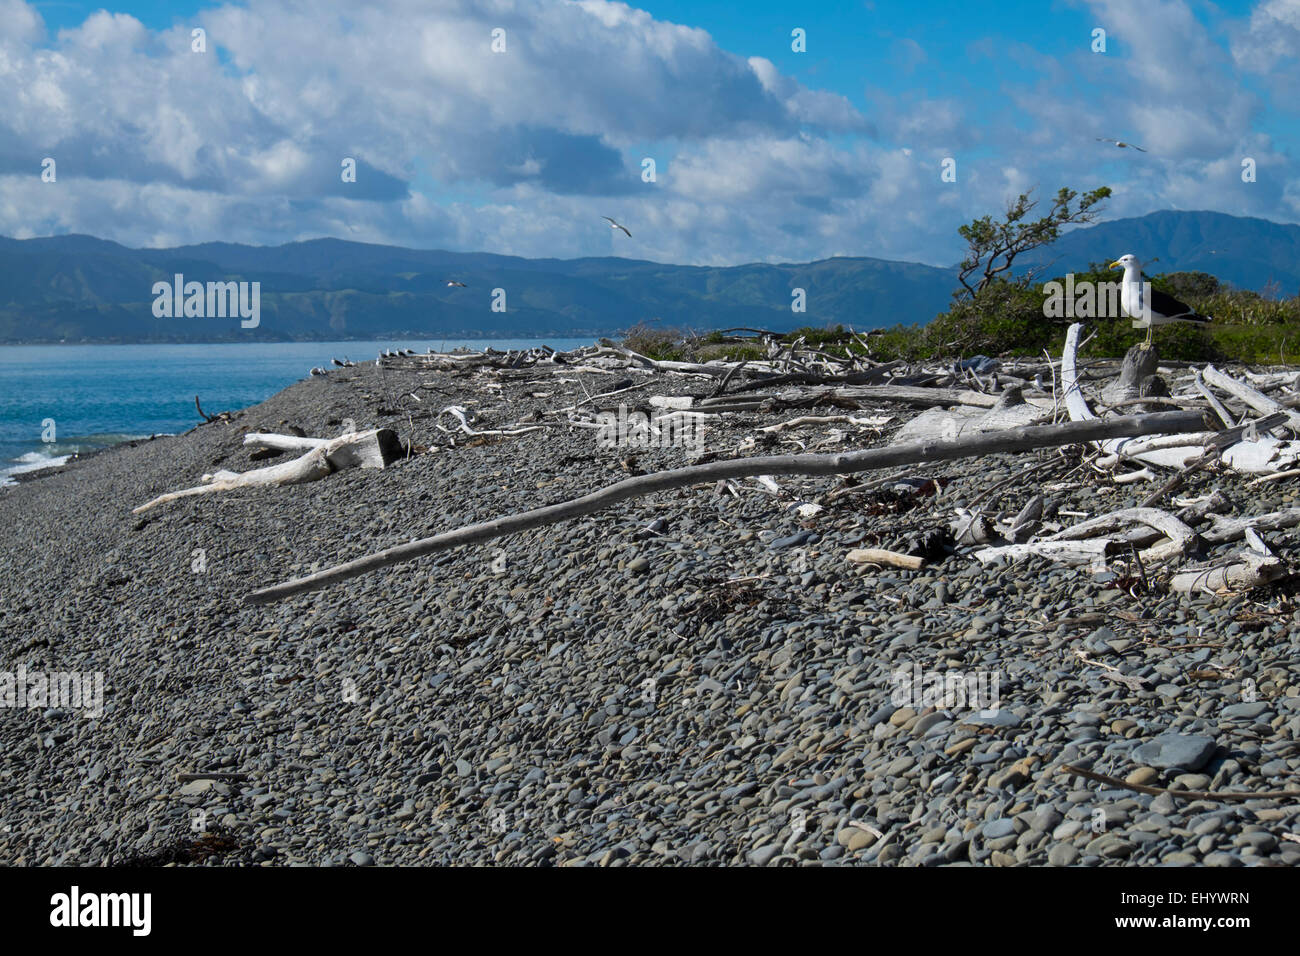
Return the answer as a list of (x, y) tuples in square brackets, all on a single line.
[(1121, 144), (616, 225), (1161, 309), (459, 285)]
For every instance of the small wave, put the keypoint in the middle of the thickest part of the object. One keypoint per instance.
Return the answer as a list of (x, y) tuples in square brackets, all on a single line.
[(57, 454), (32, 461)]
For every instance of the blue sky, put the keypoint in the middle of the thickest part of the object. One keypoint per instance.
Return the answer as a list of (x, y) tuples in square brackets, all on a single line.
[(761, 152)]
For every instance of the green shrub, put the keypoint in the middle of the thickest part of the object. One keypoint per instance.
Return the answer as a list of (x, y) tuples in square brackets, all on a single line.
[(655, 342)]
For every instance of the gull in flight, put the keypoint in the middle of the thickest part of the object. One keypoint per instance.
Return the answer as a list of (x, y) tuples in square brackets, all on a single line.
[(1121, 144), (453, 282), (1159, 309), (616, 225)]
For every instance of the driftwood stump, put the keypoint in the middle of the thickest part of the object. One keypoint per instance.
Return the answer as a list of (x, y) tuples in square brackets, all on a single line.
[(1137, 377)]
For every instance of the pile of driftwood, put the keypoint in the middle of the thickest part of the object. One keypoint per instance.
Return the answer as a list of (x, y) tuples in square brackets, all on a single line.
[(1138, 426)]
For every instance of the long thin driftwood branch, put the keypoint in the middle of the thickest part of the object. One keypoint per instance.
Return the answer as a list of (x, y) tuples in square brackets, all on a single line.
[(1008, 440), (1179, 794)]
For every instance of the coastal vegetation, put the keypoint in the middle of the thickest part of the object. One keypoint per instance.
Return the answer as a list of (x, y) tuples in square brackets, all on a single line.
[(997, 311)]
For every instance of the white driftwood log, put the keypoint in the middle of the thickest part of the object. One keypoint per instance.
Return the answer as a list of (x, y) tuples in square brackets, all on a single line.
[(1220, 409), (1230, 529), (1250, 571), (880, 556), (375, 448), (1009, 410), (458, 412), (1143, 474), (671, 401), (1250, 396), (926, 397), (865, 422), (282, 442), (1064, 545), (1062, 552)]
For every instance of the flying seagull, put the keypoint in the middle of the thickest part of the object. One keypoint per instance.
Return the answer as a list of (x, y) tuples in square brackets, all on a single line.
[(459, 285), (615, 225), (1161, 309), (1121, 144)]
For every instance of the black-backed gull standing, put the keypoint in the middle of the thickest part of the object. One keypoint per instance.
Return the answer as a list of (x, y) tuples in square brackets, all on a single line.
[(1159, 309)]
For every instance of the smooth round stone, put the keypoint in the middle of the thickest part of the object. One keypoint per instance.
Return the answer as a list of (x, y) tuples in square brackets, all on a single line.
[(762, 855), (1143, 776), (1002, 827), (1208, 825), (1244, 711), (929, 720), (1063, 854), (1181, 751)]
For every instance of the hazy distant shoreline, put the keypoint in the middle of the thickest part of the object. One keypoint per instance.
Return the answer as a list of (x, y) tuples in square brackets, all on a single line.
[(326, 340), (103, 394)]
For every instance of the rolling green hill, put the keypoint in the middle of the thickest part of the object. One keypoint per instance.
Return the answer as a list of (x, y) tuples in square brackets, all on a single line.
[(82, 289)]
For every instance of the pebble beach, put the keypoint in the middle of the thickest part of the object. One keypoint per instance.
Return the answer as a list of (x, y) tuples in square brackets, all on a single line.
[(695, 677)]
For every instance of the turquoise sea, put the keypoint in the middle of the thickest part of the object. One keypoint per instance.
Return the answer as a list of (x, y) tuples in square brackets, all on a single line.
[(97, 395)]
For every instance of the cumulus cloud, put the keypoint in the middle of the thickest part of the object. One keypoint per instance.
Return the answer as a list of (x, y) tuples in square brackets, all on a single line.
[(521, 151)]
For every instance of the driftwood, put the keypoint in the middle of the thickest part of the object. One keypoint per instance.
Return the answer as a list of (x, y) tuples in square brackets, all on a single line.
[(1220, 409), (1256, 454), (1009, 410), (926, 397), (1230, 529), (1076, 544), (1250, 396), (459, 413), (1250, 570), (1134, 378), (369, 449), (209, 419), (1013, 439), (1179, 794), (875, 423), (689, 368), (880, 556), (865, 377), (1077, 406)]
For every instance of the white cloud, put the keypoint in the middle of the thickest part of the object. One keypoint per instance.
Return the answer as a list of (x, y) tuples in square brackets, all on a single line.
[(1271, 35), (160, 145)]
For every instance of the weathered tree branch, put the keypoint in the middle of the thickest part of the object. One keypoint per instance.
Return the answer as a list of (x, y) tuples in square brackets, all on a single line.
[(1009, 440)]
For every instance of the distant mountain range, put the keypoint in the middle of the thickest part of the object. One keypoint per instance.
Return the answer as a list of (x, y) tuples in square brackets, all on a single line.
[(81, 289), (1248, 253)]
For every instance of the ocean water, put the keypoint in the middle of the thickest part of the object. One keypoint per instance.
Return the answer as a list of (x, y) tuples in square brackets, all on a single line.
[(98, 395)]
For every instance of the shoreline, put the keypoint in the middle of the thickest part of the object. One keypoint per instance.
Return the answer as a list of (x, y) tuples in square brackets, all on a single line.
[(397, 337), (697, 677)]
